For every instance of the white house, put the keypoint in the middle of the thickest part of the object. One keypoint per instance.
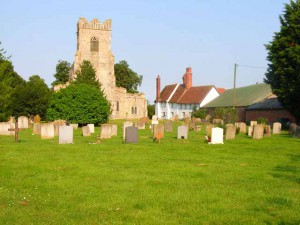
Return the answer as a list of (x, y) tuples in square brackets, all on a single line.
[(180, 99)]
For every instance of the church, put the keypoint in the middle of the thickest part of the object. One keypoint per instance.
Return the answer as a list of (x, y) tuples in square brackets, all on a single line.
[(94, 44)]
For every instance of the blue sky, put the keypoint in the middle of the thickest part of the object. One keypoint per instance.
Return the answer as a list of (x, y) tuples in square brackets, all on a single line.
[(154, 37)]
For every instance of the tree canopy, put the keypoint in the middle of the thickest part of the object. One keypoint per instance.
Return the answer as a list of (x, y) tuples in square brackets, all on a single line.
[(283, 73), (86, 74), (126, 77), (62, 72)]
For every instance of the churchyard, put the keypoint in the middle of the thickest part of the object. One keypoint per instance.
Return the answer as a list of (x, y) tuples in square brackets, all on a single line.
[(180, 179)]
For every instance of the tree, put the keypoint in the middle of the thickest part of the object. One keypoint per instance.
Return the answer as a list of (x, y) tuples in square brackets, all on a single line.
[(126, 77), (79, 103), (283, 73), (87, 74), (32, 98), (151, 110), (62, 72)]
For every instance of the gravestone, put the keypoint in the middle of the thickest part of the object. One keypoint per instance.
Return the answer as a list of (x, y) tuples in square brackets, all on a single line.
[(292, 128), (208, 129), (4, 126), (230, 132), (65, 135), (11, 119), (126, 124), (47, 131), (192, 125), (187, 119), (217, 136), (258, 131), (37, 119), (242, 126), (168, 126), (144, 120), (23, 122), (57, 124), (86, 131), (154, 120), (204, 121), (16, 130), (276, 128), (182, 132), (74, 125), (267, 130), (158, 131), (131, 134), (253, 123), (92, 128), (250, 131), (140, 125), (114, 130), (218, 121), (197, 128), (105, 131), (36, 128), (297, 132)]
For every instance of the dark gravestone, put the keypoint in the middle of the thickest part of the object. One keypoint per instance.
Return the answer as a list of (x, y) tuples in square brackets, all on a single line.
[(297, 132), (131, 134), (292, 128), (168, 126)]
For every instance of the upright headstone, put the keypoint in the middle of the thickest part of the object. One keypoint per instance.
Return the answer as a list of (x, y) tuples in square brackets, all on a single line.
[(65, 135), (140, 125), (276, 128), (192, 125), (208, 129), (11, 119), (292, 128), (126, 124), (36, 128), (267, 130), (92, 128), (158, 131), (105, 131), (253, 123), (4, 126), (297, 132), (230, 132), (131, 134), (197, 128), (47, 131), (74, 125), (217, 135), (86, 131), (114, 130), (37, 119), (168, 126), (242, 126), (250, 131), (182, 132), (57, 124), (23, 122), (154, 120), (258, 131)]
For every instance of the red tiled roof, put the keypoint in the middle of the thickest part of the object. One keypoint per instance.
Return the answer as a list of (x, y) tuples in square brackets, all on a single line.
[(220, 90), (166, 92), (194, 95)]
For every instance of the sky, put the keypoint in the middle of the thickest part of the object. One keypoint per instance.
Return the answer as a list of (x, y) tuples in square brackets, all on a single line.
[(155, 37)]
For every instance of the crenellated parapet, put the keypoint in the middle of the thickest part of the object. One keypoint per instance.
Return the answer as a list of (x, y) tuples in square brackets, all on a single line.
[(94, 24)]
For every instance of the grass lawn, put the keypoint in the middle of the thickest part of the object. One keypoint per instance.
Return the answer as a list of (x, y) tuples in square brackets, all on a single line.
[(244, 181)]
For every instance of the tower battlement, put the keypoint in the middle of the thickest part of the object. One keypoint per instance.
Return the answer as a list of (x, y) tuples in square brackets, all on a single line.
[(94, 24)]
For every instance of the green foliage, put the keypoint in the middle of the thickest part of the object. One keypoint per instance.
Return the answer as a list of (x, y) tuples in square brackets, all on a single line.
[(87, 74), (200, 113), (262, 120), (62, 72), (283, 72), (79, 103), (151, 110), (126, 77), (3, 54), (32, 98), (229, 115)]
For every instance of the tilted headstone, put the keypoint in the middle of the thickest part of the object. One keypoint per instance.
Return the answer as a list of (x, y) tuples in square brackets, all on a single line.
[(36, 128), (258, 131), (208, 129), (86, 131), (4, 126), (230, 132), (106, 131), (297, 132), (114, 130), (23, 122), (131, 134), (47, 131), (267, 130), (292, 128), (37, 119), (168, 126), (217, 135), (182, 132), (253, 123), (74, 125), (126, 124), (140, 125), (92, 128), (250, 131), (158, 131), (242, 126), (276, 128), (65, 135)]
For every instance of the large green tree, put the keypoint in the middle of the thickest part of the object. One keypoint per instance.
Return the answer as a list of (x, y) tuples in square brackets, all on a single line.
[(283, 72), (86, 74), (62, 72), (126, 77), (79, 103)]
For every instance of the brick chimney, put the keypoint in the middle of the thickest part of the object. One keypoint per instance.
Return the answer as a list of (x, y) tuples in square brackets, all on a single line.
[(187, 78), (158, 89)]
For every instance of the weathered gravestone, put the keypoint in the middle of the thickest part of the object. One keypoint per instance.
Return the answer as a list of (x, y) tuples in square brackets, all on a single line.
[(144, 120), (126, 124), (140, 125), (250, 131), (47, 131), (197, 128), (168, 126), (158, 131), (86, 131), (154, 120), (4, 128), (258, 131), (253, 123), (11, 119), (105, 131), (65, 135), (292, 128), (242, 126), (114, 130), (208, 129), (182, 132), (192, 125), (267, 130), (23, 122), (74, 125), (230, 132), (37, 119), (131, 134), (36, 128), (92, 128), (297, 132), (57, 124), (217, 136), (276, 128)]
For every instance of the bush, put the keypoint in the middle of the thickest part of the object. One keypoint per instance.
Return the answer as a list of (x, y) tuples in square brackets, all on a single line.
[(262, 120), (200, 113), (229, 115)]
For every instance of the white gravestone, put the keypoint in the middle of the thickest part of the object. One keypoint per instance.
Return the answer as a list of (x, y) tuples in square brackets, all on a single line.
[(47, 131), (114, 130), (105, 131), (23, 122), (217, 136), (65, 135), (4, 126), (276, 128), (182, 132), (92, 128)]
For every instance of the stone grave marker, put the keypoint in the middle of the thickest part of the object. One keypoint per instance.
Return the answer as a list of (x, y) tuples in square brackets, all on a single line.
[(11, 119), (154, 120), (197, 128), (258, 131), (253, 123), (114, 130), (126, 124), (158, 131), (105, 131), (57, 124), (204, 121), (292, 128), (217, 136), (208, 129), (36, 128), (86, 131), (47, 131), (276, 128), (242, 126), (74, 125), (131, 134), (23, 122), (250, 131), (4, 128), (168, 126), (92, 128), (144, 120), (65, 135), (37, 119), (297, 132), (140, 125), (192, 125), (182, 132), (267, 130), (230, 132)]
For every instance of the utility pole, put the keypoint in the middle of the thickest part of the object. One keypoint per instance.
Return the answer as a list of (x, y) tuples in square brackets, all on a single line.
[(234, 103)]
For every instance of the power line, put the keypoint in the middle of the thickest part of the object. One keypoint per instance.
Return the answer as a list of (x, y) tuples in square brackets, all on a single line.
[(254, 67)]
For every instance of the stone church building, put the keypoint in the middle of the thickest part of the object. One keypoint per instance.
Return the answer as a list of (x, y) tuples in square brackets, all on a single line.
[(94, 44)]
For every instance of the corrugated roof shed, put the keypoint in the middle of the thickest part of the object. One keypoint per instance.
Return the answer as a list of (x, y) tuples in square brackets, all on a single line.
[(245, 96), (269, 103)]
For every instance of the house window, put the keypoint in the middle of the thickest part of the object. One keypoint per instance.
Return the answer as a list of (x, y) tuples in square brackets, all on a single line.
[(183, 114), (94, 44)]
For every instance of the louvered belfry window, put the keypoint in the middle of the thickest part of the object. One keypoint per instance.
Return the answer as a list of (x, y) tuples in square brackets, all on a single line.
[(94, 44)]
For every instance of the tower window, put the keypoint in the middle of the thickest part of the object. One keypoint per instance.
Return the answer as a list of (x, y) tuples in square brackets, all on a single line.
[(118, 106), (94, 44)]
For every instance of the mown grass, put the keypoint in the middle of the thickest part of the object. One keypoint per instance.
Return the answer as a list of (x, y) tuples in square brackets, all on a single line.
[(244, 181)]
